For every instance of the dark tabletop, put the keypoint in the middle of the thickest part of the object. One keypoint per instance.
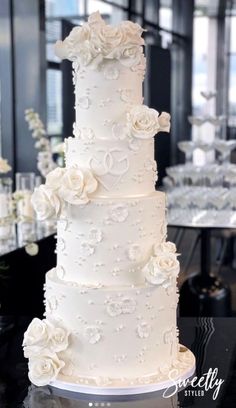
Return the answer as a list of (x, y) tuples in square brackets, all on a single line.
[(213, 341)]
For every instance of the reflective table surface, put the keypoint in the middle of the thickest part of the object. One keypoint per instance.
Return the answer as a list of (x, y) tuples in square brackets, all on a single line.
[(187, 218), (213, 341)]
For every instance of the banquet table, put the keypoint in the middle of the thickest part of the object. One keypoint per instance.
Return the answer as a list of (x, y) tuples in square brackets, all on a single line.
[(22, 278), (212, 340), (204, 294)]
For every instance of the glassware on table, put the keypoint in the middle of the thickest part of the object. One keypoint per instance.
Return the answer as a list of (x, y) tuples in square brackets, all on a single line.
[(196, 120), (230, 177), (167, 182), (26, 220), (232, 198), (217, 120), (205, 147), (187, 147), (7, 224), (25, 181), (173, 174), (214, 175), (208, 94), (225, 147), (40, 225)]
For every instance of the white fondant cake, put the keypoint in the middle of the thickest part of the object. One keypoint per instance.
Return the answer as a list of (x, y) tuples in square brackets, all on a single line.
[(111, 300)]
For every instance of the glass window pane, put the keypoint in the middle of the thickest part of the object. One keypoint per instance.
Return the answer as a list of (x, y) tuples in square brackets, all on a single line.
[(63, 8), (200, 46), (54, 101), (53, 33), (50, 53), (94, 5), (123, 3), (165, 21), (165, 17), (112, 14), (233, 34), (151, 11), (232, 88)]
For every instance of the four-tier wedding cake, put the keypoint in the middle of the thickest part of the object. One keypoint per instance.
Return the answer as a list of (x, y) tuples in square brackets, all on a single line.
[(111, 300)]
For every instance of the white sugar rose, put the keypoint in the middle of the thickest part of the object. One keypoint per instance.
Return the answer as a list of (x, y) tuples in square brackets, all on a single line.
[(59, 339), (44, 369), (45, 203), (164, 122), (73, 44), (77, 185), (85, 55), (61, 49), (140, 66), (108, 40), (161, 269), (132, 33), (95, 19), (79, 35), (131, 55), (164, 247), (142, 122), (53, 179), (36, 337), (168, 263), (153, 274), (4, 166)]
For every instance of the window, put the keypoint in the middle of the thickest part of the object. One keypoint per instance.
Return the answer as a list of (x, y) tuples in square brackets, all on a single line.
[(200, 47), (54, 102), (165, 21), (232, 74)]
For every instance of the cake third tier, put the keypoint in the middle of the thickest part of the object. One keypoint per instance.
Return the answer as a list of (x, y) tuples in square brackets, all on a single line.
[(108, 241)]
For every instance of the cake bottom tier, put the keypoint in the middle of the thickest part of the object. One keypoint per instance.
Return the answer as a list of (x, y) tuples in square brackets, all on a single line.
[(115, 332)]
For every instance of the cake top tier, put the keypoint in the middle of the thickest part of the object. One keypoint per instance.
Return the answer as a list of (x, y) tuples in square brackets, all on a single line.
[(96, 41)]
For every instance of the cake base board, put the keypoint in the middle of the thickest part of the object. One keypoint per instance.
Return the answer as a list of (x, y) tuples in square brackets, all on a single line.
[(146, 384)]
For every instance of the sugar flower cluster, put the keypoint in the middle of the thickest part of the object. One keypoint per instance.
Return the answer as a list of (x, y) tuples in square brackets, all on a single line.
[(42, 343), (73, 186), (144, 122), (96, 41)]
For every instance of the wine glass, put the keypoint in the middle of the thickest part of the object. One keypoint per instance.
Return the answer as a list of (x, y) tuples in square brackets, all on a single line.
[(206, 147), (217, 120), (225, 147), (7, 225), (196, 120), (208, 94), (26, 225), (187, 147)]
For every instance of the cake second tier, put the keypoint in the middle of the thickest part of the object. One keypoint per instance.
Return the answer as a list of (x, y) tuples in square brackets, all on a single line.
[(121, 167), (107, 242)]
